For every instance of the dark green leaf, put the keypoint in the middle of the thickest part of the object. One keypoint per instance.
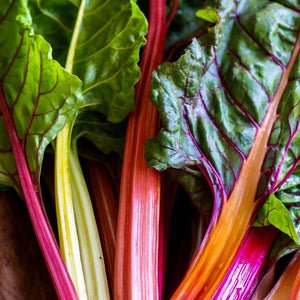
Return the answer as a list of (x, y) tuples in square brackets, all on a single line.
[(107, 137), (185, 24), (214, 99)]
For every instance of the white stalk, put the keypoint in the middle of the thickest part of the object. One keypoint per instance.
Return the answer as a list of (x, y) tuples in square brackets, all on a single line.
[(78, 233), (89, 241)]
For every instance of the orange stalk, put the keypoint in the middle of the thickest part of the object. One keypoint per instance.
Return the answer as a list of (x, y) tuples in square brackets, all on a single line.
[(216, 255), (285, 283), (295, 290)]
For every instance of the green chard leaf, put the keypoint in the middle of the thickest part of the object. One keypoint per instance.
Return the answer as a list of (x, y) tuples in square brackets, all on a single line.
[(105, 136), (54, 20), (275, 213), (107, 50), (39, 94), (234, 82), (105, 58), (289, 195), (209, 15)]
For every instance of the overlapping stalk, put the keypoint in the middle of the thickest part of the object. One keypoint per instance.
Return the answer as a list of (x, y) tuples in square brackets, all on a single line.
[(137, 248)]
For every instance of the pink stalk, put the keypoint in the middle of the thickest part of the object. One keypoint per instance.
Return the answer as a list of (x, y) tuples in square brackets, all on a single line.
[(106, 211), (59, 274), (244, 272), (137, 266)]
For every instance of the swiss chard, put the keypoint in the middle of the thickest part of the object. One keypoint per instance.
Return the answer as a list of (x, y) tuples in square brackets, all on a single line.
[(113, 29), (138, 260), (37, 98), (229, 107)]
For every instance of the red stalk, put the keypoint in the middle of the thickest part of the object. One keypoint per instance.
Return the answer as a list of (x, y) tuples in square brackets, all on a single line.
[(137, 266), (59, 274), (106, 211), (244, 272)]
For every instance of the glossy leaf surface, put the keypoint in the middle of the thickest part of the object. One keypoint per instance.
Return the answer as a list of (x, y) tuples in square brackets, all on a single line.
[(217, 96), (229, 107), (106, 52), (275, 213), (39, 94)]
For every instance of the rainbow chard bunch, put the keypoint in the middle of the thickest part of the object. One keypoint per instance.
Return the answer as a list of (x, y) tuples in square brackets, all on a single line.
[(224, 128)]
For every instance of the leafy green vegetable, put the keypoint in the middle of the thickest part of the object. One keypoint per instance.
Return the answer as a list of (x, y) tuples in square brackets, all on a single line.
[(106, 52), (38, 97), (106, 136), (230, 107), (103, 52), (185, 24)]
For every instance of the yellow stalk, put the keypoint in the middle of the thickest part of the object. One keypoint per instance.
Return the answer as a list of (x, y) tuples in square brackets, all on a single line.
[(80, 245), (67, 231)]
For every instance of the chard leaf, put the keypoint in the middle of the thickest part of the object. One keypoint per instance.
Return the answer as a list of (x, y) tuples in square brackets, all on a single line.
[(196, 187), (275, 213), (209, 15), (39, 95), (214, 99), (230, 107), (106, 52), (289, 195), (54, 20)]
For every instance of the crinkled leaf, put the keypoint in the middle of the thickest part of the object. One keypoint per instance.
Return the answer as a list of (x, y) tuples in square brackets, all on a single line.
[(40, 95), (107, 51), (275, 213), (214, 99)]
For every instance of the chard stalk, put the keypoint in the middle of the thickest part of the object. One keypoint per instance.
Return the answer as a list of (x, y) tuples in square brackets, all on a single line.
[(216, 254), (286, 286), (59, 274), (67, 230), (89, 241), (243, 274), (78, 236), (106, 213), (295, 292), (137, 265)]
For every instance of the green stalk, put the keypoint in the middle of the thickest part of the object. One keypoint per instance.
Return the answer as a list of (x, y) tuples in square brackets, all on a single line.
[(78, 234)]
